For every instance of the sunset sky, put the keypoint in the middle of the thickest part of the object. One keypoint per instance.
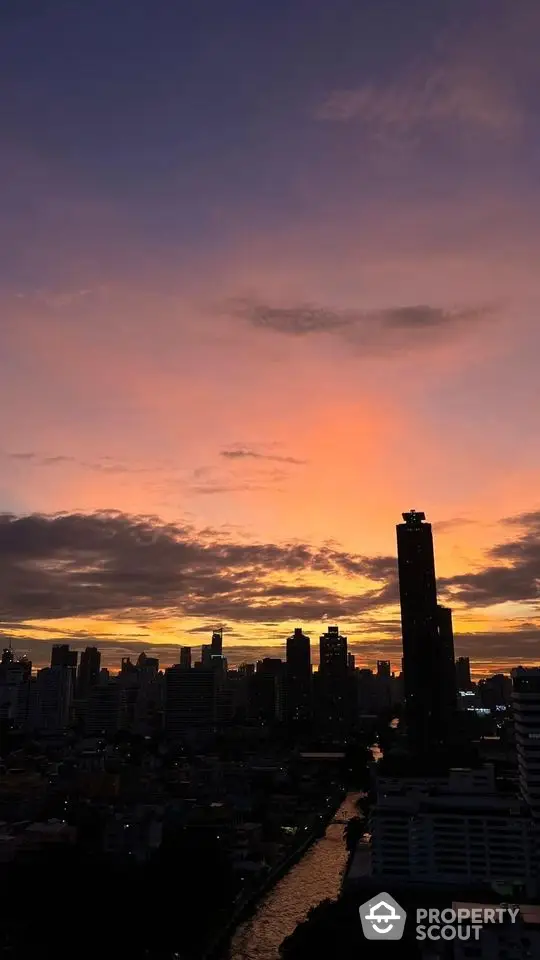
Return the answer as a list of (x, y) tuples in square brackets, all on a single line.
[(269, 276)]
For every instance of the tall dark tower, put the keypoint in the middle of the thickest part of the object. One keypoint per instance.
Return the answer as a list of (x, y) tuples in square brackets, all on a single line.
[(447, 668), (216, 647), (62, 656), (298, 679), (426, 700), (463, 673), (333, 685), (88, 675), (333, 653)]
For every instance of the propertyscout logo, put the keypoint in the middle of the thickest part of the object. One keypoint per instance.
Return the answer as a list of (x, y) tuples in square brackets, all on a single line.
[(465, 923), (383, 918)]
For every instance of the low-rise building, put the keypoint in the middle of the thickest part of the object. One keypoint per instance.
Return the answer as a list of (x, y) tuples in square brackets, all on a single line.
[(502, 941)]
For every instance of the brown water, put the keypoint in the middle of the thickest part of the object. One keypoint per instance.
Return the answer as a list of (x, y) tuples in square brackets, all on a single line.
[(317, 876)]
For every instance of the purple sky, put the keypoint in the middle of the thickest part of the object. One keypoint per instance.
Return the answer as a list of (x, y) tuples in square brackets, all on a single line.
[(269, 273)]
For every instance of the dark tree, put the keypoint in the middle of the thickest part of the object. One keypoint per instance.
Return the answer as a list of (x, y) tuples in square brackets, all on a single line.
[(334, 930)]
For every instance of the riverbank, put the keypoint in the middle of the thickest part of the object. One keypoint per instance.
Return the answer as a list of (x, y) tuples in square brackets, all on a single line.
[(315, 875), (218, 950)]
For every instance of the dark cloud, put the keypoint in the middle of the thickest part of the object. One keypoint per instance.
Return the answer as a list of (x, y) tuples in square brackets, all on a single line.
[(210, 489), (113, 564), (246, 454), (524, 520), (423, 317), (390, 328), (294, 320), (513, 576)]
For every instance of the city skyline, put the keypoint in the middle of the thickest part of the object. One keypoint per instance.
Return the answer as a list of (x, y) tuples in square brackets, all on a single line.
[(268, 279), (48, 556)]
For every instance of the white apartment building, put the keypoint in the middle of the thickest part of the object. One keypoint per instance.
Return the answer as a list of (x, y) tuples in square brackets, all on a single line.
[(526, 703), (458, 832)]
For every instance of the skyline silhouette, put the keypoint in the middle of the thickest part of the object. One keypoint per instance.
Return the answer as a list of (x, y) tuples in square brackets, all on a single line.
[(122, 582)]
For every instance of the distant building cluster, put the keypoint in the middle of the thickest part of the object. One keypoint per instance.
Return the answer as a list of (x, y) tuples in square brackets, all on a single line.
[(197, 695)]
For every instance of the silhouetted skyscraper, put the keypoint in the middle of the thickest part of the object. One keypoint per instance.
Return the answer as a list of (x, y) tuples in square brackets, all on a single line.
[(206, 655), (427, 636), (185, 658), (333, 687), (333, 652), (216, 647), (383, 668), (88, 674), (265, 696), (62, 656), (189, 700), (106, 709), (54, 695), (298, 683), (463, 673), (446, 668)]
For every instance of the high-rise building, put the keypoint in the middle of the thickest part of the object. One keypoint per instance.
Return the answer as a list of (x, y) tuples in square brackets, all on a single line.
[(265, 693), (526, 701), (446, 668), (206, 655), (333, 652), (62, 656), (216, 646), (54, 697), (495, 691), (427, 637), (298, 678), (88, 674), (334, 685), (106, 711), (189, 700), (15, 678), (383, 668), (185, 658), (463, 673)]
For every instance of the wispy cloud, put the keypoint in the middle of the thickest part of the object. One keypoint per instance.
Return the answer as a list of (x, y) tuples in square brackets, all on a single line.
[(243, 453), (59, 299), (463, 95), (103, 465), (454, 522), (388, 328)]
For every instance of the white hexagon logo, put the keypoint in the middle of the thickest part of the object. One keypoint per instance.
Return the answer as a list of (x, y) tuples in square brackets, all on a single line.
[(382, 918)]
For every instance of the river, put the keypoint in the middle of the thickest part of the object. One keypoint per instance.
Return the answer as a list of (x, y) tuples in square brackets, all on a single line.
[(317, 876)]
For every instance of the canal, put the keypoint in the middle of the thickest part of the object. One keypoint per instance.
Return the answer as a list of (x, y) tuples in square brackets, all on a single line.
[(317, 876)]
